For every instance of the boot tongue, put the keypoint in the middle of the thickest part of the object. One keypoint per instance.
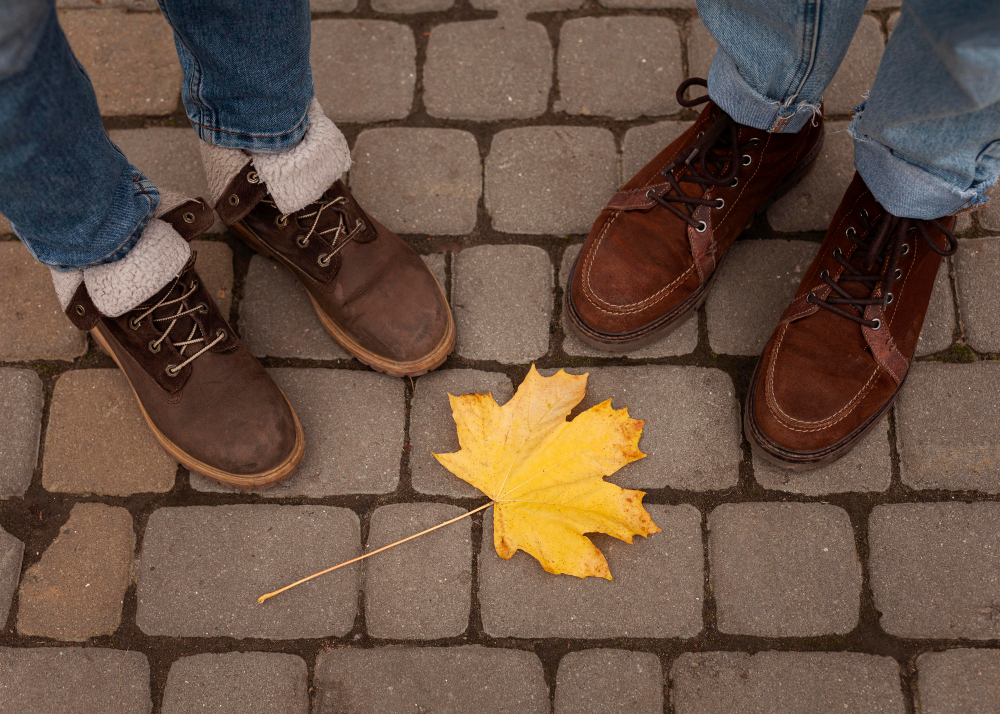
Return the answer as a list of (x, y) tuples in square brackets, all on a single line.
[(171, 312)]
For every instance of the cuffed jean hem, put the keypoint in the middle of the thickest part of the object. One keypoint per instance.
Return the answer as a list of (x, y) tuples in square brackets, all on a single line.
[(728, 89), (252, 142), (905, 189), (130, 220)]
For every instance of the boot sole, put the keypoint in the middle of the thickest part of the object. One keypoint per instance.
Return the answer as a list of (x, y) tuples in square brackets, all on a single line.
[(262, 480), (804, 460), (393, 368), (663, 326)]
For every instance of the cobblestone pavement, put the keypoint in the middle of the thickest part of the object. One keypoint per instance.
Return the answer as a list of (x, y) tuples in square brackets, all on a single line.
[(491, 140)]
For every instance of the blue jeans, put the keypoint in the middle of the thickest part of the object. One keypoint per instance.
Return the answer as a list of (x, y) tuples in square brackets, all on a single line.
[(926, 141), (68, 191)]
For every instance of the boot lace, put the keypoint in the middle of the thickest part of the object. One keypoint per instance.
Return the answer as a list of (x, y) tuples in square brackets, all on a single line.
[(881, 251), (340, 231), (163, 312), (705, 163)]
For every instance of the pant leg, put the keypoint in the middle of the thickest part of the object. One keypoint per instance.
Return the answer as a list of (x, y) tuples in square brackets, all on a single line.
[(776, 57), (69, 193), (247, 79), (927, 141)]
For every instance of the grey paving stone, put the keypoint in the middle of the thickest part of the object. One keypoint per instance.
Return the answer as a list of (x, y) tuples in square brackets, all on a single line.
[(622, 67), (432, 427), (681, 341), (867, 467), (421, 590), (977, 264), (959, 681), (947, 427), (756, 281), (606, 681), (443, 680), (36, 327), (989, 216), (893, 18), (783, 569), (407, 6), (20, 428), (549, 179), (935, 569), (202, 569), (857, 71), (810, 205), (353, 425), (657, 590), (333, 5), (643, 143), (701, 49), (786, 683), (939, 323), (76, 590), (883, 4), (11, 552), (502, 297), (364, 70), (215, 268), (238, 683), (644, 4), (419, 180), (683, 408), (278, 320), (110, 45), (169, 156), (436, 262), (488, 70), (74, 680), (522, 7), (5, 225), (98, 442)]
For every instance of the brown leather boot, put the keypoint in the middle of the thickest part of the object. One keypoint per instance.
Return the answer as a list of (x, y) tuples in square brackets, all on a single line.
[(842, 349), (654, 251), (208, 401), (372, 291)]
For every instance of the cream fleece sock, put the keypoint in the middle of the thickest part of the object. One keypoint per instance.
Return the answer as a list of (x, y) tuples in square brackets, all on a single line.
[(294, 177), (156, 259)]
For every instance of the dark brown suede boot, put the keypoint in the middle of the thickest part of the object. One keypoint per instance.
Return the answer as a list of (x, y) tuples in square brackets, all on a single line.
[(654, 251), (842, 349), (372, 292), (208, 401)]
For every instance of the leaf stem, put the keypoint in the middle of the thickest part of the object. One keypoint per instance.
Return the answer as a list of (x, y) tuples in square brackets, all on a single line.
[(262, 598)]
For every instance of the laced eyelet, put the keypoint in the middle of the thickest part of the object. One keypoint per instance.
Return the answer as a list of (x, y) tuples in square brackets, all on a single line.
[(650, 194), (699, 135), (281, 221), (850, 232), (735, 183), (878, 325), (221, 334), (80, 310), (203, 308), (171, 370), (701, 227), (906, 248), (825, 274), (837, 252), (252, 177), (234, 200), (154, 346), (302, 241), (889, 298), (134, 323), (324, 260), (194, 285), (898, 274), (747, 159), (864, 214), (754, 141), (188, 217), (809, 298), (719, 203)]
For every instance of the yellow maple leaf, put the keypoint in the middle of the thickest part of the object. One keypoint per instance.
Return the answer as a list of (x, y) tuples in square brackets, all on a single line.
[(545, 474)]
